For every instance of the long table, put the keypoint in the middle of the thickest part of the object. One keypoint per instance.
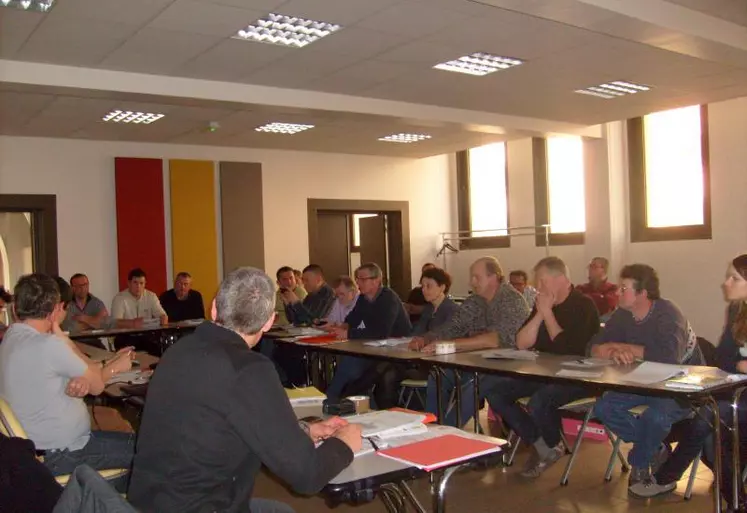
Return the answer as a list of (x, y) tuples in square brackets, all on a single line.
[(164, 332), (546, 366)]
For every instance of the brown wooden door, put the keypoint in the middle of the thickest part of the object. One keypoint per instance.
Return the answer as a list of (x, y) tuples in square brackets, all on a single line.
[(373, 242), (332, 244)]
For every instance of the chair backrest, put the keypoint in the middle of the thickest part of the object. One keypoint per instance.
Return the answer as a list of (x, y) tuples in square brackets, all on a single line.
[(9, 424), (709, 352)]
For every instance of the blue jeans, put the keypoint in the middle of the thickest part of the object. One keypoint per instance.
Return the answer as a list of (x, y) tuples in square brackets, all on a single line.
[(349, 369), (647, 431), (448, 381), (268, 506), (541, 418), (104, 450)]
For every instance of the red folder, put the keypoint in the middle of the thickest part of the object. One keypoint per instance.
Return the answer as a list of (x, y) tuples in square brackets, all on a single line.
[(440, 451), (320, 340)]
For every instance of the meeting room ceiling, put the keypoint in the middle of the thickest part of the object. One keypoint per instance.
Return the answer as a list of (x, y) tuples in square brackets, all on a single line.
[(686, 51)]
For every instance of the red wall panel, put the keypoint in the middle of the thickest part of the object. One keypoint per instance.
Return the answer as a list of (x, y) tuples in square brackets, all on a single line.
[(141, 232)]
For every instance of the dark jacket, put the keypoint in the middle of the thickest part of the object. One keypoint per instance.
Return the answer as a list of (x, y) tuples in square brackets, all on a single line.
[(430, 320), (381, 318), (26, 485)]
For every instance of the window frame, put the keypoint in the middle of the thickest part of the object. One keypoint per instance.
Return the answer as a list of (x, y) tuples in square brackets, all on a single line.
[(542, 198), (464, 208), (639, 229)]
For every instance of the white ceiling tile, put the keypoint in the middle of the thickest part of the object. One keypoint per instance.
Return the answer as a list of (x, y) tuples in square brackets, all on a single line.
[(359, 42), (204, 18), (134, 12), (427, 54), (20, 107), (232, 59), (15, 27), (158, 51), (343, 12), (299, 67), (74, 41), (262, 5), (413, 18), (359, 77)]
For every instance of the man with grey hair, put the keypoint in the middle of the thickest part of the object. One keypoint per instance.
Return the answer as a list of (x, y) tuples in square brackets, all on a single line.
[(183, 303), (216, 413), (563, 321), (488, 318)]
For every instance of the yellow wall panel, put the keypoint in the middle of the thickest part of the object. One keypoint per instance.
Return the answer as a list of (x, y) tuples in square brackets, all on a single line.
[(194, 239)]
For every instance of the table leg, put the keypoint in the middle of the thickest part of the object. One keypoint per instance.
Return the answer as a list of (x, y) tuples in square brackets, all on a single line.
[(438, 488), (407, 492), (717, 455), (735, 452), (458, 397), (309, 371), (477, 403), (439, 394)]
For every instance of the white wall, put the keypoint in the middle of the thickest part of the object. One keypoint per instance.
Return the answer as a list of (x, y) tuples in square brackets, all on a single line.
[(81, 174)]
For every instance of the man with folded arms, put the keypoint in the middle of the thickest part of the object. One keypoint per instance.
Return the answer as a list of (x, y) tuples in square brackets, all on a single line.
[(489, 318), (647, 327), (318, 301), (216, 412), (563, 321)]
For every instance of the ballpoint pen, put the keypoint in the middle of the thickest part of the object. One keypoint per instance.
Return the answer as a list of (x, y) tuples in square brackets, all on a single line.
[(373, 444)]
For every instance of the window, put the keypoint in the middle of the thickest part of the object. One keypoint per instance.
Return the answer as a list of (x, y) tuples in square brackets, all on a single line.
[(483, 196), (669, 178), (559, 189)]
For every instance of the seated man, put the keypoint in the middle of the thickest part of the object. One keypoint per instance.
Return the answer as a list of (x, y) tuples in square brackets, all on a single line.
[(644, 327), (136, 302), (520, 281), (43, 376), (85, 311), (216, 412), (182, 303), (346, 294), (563, 321), (378, 314), (601, 291), (316, 304), (489, 318), (286, 280)]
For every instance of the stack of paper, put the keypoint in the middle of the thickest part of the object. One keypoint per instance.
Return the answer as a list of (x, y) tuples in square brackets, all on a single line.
[(388, 342), (304, 332), (305, 396), (648, 373), (588, 363), (510, 354), (386, 423)]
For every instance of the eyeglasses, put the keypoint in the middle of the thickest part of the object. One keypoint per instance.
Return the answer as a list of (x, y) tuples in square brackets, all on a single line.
[(623, 289), (364, 278)]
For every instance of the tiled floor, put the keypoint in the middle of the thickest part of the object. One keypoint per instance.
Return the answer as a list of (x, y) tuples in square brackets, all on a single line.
[(503, 490)]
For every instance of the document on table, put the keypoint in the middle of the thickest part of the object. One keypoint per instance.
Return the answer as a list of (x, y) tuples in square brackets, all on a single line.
[(133, 377), (648, 373), (388, 342), (384, 422), (573, 373), (588, 363), (511, 354), (304, 332)]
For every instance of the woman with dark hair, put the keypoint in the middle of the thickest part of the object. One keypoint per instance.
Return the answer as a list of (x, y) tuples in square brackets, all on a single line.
[(731, 355)]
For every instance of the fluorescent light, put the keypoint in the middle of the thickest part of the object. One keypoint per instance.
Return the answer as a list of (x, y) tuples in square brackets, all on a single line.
[(28, 5), (283, 128), (278, 29), (479, 64), (614, 89), (405, 138), (128, 116)]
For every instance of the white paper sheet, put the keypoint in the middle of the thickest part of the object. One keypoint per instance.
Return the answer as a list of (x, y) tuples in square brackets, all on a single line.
[(588, 363), (382, 422), (648, 373), (388, 342), (511, 354), (573, 373)]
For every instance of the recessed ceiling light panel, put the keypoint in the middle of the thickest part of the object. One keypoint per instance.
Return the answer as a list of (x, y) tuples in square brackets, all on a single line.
[(29, 5), (278, 29), (128, 116), (614, 89), (479, 64), (405, 138), (283, 128)]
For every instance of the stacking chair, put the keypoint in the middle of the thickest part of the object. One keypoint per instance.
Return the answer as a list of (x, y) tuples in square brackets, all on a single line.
[(11, 427), (412, 388)]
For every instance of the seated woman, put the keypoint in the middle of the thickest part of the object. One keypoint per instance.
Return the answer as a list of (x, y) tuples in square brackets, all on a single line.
[(435, 284), (732, 357)]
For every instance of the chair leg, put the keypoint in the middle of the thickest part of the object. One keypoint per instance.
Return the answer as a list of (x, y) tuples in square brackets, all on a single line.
[(615, 453), (576, 447), (514, 449), (691, 479), (402, 391)]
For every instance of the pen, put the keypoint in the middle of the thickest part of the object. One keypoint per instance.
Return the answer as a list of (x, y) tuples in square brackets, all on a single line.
[(373, 444)]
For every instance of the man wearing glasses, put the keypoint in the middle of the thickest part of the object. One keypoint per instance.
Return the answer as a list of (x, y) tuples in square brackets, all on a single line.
[(647, 327), (378, 314)]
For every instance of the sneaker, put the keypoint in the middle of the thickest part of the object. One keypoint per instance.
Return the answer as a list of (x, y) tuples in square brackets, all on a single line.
[(650, 488), (662, 455), (540, 465), (638, 474)]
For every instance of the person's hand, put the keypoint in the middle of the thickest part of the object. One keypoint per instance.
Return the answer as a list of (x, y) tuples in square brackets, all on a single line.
[(351, 435), (319, 431), (623, 356), (429, 349), (742, 367), (77, 387), (416, 344), (122, 362), (289, 297), (340, 332), (544, 301)]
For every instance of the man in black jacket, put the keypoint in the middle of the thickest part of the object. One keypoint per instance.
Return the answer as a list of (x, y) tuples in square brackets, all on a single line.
[(216, 412)]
